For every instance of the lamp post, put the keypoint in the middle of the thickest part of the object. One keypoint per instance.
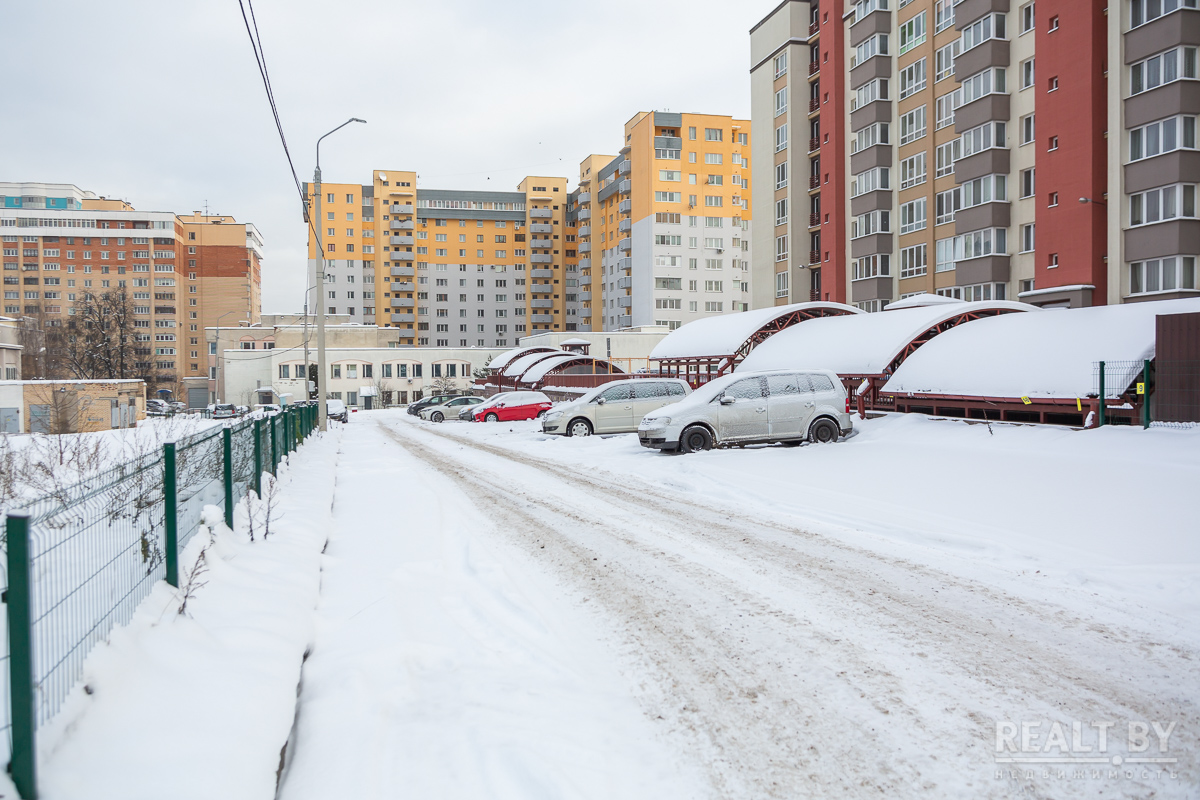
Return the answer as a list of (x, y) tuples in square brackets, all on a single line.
[(318, 222)]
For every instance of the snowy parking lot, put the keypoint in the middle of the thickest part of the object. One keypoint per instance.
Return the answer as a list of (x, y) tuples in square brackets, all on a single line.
[(586, 618)]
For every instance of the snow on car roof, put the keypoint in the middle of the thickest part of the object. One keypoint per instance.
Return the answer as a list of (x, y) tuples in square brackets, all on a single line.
[(519, 365), (523, 398), (723, 335), (1038, 355), (539, 370), (863, 344)]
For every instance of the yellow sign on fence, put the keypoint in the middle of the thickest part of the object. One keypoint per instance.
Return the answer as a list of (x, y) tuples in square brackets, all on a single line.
[(1141, 388), (1026, 400)]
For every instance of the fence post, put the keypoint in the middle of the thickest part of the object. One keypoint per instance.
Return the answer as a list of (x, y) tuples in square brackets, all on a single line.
[(171, 513), (1146, 394), (227, 437), (274, 445), (258, 454), (1100, 421), (23, 766)]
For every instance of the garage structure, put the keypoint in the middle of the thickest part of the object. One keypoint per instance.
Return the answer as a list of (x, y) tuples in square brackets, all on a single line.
[(708, 348), (536, 367), (1040, 367)]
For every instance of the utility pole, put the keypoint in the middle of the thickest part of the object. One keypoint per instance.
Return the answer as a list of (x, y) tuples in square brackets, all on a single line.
[(317, 223)]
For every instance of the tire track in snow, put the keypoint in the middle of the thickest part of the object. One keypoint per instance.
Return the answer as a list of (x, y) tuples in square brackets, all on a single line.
[(810, 601)]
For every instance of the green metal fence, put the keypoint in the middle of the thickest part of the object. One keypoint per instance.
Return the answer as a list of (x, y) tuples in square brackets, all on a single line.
[(80, 561)]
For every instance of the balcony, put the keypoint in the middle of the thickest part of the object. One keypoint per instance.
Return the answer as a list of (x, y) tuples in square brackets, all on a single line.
[(585, 197), (406, 331), (543, 317), (624, 263), (541, 303), (402, 240), (814, 105), (585, 296), (814, 296), (585, 213), (541, 244), (541, 258), (624, 301), (403, 302), (814, 256), (540, 213), (625, 206), (400, 255), (401, 224), (541, 227), (625, 244), (585, 247), (402, 272), (402, 318), (814, 181), (814, 220), (585, 263), (814, 144), (624, 167), (585, 230), (624, 282), (814, 67), (814, 28), (625, 226), (624, 321), (541, 273), (625, 187), (402, 208), (402, 286)]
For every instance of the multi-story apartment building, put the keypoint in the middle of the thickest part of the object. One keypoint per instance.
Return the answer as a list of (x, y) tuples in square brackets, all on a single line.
[(977, 145), (449, 268), (181, 273), (664, 234)]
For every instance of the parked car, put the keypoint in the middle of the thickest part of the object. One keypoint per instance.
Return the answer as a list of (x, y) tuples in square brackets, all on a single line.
[(157, 408), (615, 407), (450, 408), (415, 407), (788, 406), (224, 411), (177, 407), (336, 409), (513, 406)]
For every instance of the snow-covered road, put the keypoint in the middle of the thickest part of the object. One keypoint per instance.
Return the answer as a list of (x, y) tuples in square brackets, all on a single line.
[(502, 620)]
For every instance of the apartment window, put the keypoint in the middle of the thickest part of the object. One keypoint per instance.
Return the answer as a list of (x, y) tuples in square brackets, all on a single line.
[(781, 214), (877, 45), (714, 286), (1027, 238), (912, 79), (670, 175), (713, 158), (713, 135), (1053, 260), (1052, 200), (982, 30), (946, 105), (1027, 17), (985, 137), (870, 92), (983, 83), (943, 61), (1162, 137), (946, 154), (946, 204), (874, 266), (871, 223), (912, 33), (1162, 275), (976, 244), (668, 155), (781, 137), (944, 255), (943, 15), (912, 125), (1052, 84), (913, 261), (870, 181), (1143, 11), (780, 103), (330, 198), (1027, 183), (864, 7), (781, 248), (1163, 203), (781, 65), (870, 136), (668, 197), (1172, 65), (692, 134), (1053, 143), (1027, 129), (913, 216), (1027, 75), (988, 189), (912, 171), (781, 175)]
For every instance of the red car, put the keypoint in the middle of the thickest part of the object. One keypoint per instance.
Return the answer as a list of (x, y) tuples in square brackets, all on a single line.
[(512, 406)]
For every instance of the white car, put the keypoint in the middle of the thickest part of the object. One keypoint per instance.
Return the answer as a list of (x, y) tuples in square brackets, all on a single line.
[(615, 407), (450, 408), (790, 406)]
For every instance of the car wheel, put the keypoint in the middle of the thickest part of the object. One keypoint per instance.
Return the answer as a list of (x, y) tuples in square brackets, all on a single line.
[(695, 439), (823, 431), (438, 416), (492, 417), (579, 427), (540, 414)]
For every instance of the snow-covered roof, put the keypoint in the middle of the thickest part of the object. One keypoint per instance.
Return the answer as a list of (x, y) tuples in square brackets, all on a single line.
[(723, 335), (539, 370), (574, 341), (862, 344), (522, 363), (508, 355), (1050, 354), (923, 299)]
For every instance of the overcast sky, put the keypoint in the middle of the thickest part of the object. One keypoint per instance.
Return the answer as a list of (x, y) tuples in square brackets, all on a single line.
[(160, 103)]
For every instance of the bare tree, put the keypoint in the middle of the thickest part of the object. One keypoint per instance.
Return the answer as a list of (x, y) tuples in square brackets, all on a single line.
[(443, 385), (100, 340)]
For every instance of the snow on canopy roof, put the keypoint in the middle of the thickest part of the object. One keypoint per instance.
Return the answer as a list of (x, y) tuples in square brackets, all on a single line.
[(539, 370), (519, 365), (723, 335), (1038, 355), (507, 356), (574, 341), (923, 299), (863, 344)]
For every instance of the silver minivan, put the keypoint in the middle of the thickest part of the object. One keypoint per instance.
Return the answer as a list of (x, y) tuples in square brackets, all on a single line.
[(790, 406), (615, 407)]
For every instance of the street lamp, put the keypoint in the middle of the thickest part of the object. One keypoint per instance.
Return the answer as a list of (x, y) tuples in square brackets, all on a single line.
[(318, 222)]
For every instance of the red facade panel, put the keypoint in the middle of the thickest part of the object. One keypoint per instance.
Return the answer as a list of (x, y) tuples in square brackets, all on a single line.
[(832, 98)]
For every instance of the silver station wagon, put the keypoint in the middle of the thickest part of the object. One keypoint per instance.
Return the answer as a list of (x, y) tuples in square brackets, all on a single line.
[(615, 407)]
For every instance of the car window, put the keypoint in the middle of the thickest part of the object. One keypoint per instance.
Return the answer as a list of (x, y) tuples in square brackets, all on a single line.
[(745, 389), (821, 383), (649, 390), (675, 389), (780, 385), (616, 393)]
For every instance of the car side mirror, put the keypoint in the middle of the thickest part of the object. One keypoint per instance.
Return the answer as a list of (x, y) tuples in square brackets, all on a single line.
[(600, 401), (726, 400)]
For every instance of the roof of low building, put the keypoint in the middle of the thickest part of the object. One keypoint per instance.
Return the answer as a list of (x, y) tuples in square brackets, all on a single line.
[(724, 335)]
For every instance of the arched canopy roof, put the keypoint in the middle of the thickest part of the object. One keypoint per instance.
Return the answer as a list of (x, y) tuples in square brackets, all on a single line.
[(1050, 354), (562, 363), (729, 334), (507, 357), (867, 344)]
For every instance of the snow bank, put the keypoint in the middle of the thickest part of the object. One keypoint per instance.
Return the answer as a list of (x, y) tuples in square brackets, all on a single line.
[(863, 344), (1037, 355), (199, 705), (723, 335)]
